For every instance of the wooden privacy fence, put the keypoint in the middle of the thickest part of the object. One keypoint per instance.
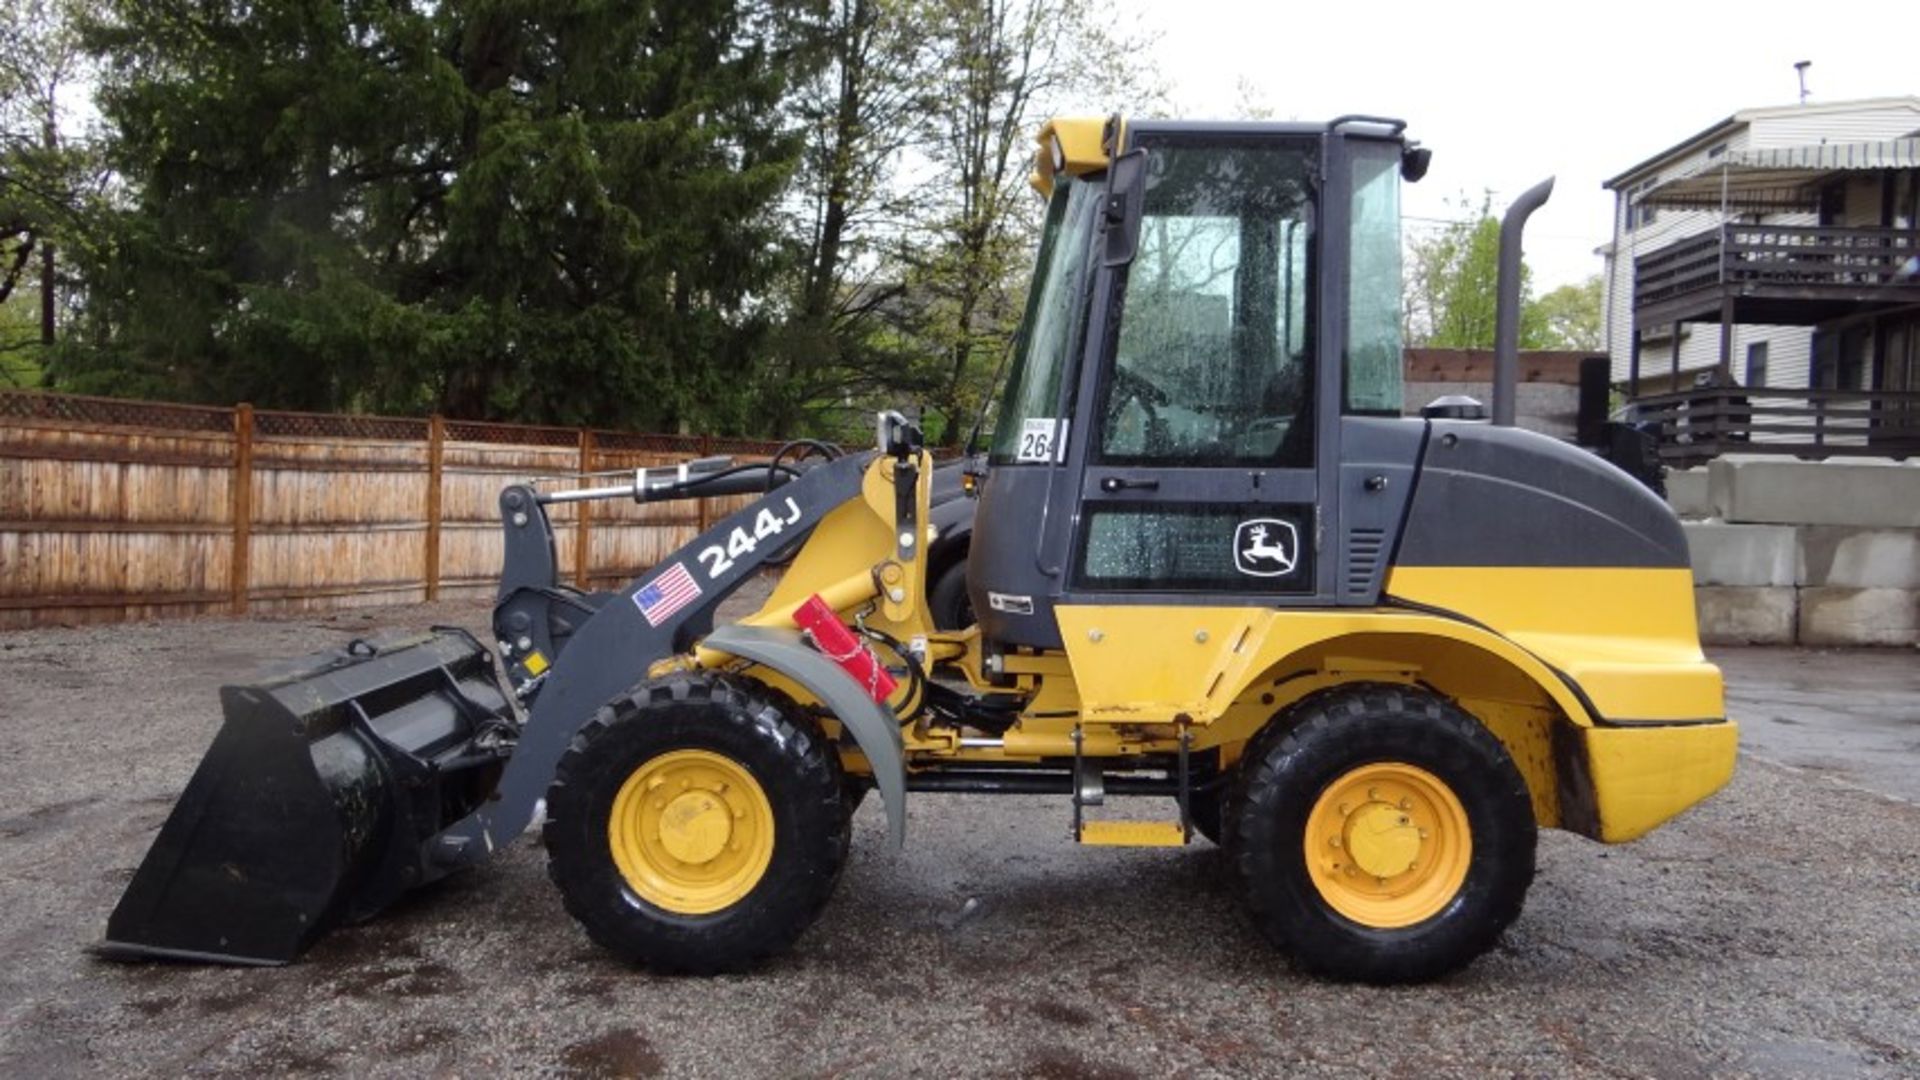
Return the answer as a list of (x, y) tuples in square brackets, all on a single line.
[(114, 509)]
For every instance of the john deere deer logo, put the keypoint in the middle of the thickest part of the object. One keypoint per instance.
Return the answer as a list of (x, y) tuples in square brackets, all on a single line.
[(1266, 547)]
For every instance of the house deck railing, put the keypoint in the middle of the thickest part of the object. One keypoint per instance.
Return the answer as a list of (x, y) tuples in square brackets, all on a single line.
[(1786, 256), (1693, 426)]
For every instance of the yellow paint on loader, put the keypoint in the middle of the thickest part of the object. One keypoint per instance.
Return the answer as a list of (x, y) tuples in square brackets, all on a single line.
[(1069, 144), (1626, 637), (1388, 845), (1642, 776), (691, 832), (1132, 833)]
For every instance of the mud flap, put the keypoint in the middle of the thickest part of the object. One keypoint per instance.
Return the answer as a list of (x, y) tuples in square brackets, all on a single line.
[(311, 807)]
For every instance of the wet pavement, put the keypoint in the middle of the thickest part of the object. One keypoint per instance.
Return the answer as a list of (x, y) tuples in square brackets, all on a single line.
[(1774, 930), (1852, 717)]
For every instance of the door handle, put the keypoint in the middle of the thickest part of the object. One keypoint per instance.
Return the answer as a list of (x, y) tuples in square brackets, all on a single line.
[(1112, 484)]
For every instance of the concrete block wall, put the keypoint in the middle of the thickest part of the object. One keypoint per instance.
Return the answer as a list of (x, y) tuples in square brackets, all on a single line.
[(1809, 553)]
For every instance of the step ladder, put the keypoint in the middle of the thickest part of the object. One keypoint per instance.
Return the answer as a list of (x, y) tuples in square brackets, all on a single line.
[(1090, 789)]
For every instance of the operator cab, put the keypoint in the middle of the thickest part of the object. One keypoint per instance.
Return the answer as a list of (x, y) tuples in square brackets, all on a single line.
[(1212, 330)]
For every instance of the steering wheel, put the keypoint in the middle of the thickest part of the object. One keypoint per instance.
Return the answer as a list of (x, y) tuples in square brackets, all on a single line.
[(1131, 387)]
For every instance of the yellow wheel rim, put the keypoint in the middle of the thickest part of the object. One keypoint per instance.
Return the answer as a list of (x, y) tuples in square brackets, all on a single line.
[(1388, 845), (691, 832)]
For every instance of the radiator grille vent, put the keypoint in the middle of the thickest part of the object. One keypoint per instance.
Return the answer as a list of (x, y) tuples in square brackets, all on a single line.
[(1366, 549)]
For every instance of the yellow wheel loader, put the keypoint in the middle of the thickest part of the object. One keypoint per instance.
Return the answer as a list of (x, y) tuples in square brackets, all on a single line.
[(1212, 565)]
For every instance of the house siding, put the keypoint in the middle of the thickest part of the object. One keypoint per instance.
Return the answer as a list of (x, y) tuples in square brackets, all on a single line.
[(1812, 125)]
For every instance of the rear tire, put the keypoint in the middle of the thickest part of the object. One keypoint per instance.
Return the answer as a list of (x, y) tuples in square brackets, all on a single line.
[(734, 858), (1381, 834), (1207, 811)]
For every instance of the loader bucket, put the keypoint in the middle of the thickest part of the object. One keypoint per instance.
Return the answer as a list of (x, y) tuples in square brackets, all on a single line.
[(312, 805)]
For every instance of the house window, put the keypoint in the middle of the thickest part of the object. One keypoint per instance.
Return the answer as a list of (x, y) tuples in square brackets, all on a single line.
[(1756, 364)]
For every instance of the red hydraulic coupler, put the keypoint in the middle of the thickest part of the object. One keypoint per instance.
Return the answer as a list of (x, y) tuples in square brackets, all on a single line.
[(831, 637)]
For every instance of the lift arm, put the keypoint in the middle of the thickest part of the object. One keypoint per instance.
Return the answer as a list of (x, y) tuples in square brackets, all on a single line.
[(654, 617)]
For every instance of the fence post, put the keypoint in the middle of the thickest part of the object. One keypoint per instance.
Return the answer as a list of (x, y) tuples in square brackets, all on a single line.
[(239, 575), (582, 526), (436, 454)]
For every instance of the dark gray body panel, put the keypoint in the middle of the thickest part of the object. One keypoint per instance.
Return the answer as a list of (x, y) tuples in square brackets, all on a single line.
[(1499, 496), (1379, 458), (1011, 519), (1379, 461)]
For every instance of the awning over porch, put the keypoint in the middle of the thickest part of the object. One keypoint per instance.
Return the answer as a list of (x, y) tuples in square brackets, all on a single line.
[(1781, 178)]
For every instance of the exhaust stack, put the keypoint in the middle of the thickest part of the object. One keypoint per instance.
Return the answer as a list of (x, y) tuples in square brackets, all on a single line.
[(1506, 320)]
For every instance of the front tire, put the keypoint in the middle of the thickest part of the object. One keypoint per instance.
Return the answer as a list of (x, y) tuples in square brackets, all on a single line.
[(947, 599), (696, 824), (1381, 834)]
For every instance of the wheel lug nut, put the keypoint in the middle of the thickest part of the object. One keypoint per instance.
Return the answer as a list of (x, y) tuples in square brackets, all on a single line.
[(1406, 804), (1335, 841)]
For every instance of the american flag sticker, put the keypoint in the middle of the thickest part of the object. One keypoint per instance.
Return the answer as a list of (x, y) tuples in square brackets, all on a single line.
[(667, 594)]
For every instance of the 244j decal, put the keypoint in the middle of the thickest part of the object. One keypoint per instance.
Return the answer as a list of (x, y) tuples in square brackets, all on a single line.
[(766, 525)]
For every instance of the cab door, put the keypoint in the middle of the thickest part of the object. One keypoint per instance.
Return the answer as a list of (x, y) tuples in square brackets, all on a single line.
[(1206, 473)]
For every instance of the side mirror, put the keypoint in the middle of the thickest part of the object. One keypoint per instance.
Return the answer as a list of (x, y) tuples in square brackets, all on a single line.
[(1120, 216), (1413, 163)]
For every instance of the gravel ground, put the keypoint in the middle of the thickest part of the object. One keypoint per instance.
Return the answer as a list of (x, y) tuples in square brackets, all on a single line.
[(1771, 931)]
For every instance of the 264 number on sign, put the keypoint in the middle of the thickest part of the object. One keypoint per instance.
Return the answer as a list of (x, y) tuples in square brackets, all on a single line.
[(1040, 438), (766, 525)]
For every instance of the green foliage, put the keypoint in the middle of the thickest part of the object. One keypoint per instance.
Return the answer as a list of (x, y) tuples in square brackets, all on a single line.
[(555, 211), (20, 341), (48, 178), (1452, 288), (999, 69), (1570, 316)]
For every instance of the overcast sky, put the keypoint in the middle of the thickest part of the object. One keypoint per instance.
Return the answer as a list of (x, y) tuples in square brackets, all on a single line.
[(1507, 94)]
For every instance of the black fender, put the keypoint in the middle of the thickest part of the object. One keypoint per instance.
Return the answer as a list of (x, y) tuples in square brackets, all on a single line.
[(875, 728)]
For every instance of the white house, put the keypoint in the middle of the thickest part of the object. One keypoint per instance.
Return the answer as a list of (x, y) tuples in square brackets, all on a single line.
[(1778, 243)]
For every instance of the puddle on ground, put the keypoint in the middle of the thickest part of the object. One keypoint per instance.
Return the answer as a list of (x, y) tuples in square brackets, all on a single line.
[(615, 1055)]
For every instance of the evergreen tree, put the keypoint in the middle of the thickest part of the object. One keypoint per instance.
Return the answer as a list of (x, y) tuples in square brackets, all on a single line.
[(554, 210)]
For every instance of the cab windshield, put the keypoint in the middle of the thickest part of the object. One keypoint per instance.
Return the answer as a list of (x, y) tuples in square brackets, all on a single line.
[(1032, 418)]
